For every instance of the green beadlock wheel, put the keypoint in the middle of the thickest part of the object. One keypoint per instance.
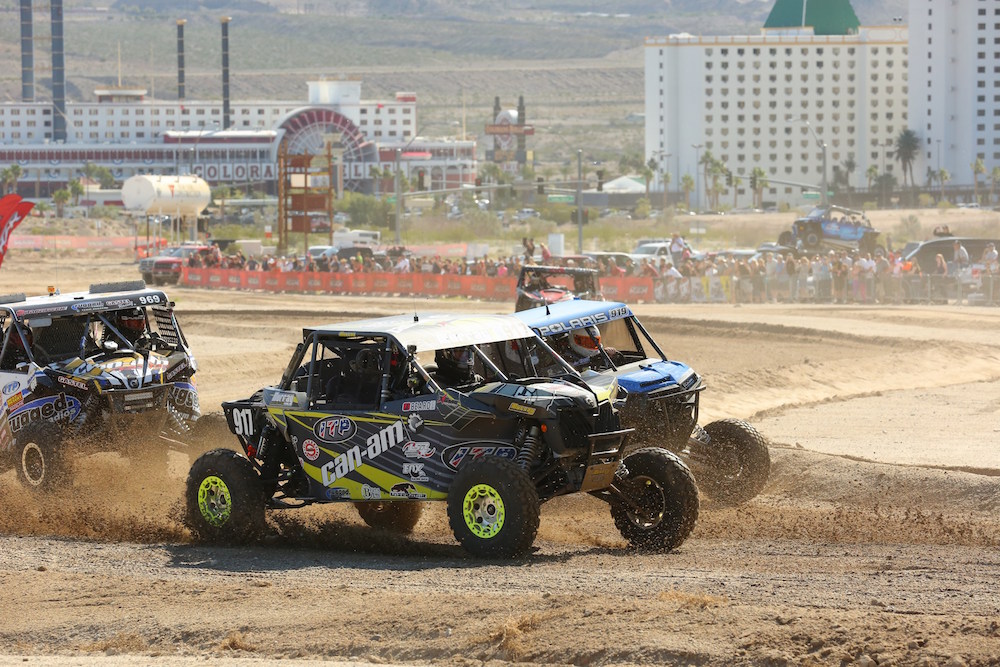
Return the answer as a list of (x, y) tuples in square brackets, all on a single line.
[(225, 498), (214, 501), (493, 508), (483, 511)]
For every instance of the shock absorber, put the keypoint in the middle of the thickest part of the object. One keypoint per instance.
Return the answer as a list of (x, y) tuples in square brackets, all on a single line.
[(530, 447)]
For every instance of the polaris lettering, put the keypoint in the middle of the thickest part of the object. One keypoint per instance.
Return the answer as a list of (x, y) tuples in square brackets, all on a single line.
[(575, 323), (354, 457)]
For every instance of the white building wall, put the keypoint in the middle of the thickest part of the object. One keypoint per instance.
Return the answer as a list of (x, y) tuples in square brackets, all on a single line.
[(746, 99), (955, 99)]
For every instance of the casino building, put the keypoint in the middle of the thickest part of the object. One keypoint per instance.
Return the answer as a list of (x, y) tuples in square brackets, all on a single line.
[(813, 77)]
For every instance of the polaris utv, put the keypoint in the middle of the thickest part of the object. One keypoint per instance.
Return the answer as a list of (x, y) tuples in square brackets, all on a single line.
[(388, 412), (89, 367), (658, 397)]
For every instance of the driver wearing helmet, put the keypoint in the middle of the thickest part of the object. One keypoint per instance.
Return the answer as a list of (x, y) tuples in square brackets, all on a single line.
[(585, 346), (131, 324), (455, 367)]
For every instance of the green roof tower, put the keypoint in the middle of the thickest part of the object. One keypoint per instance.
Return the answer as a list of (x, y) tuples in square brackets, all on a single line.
[(827, 17)]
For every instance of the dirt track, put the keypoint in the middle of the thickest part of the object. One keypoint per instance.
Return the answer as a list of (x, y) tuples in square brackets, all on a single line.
[(877, 535)]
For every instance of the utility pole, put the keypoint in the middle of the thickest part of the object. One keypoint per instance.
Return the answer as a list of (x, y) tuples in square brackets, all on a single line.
[(399, 201), (579, 201)]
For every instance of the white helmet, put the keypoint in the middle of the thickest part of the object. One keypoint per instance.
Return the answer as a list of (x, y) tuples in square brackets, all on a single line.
[(586, 341)]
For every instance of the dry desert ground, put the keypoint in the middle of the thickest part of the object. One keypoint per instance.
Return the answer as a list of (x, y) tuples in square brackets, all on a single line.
[(875, 541)]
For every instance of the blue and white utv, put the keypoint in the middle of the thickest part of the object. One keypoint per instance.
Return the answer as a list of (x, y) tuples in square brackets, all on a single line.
[(657, 396)]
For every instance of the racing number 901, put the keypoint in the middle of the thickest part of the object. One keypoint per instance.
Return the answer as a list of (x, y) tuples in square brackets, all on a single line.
[(243, 422)]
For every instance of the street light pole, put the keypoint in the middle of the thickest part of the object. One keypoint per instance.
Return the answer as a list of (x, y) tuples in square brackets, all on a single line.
[(697, 174), (579, 201), (824, 198), (399, 212)]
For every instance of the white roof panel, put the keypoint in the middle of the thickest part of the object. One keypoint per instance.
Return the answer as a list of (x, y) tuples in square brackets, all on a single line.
[(437, 330)]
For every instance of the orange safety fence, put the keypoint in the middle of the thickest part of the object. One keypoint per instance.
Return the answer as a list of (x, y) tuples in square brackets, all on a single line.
[(405, 284)]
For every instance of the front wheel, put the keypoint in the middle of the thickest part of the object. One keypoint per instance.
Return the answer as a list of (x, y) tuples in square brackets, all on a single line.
[(786, 239), (493, 508), (39, 458), (655, 505), (398, 516), (736, 460), (225, 500)]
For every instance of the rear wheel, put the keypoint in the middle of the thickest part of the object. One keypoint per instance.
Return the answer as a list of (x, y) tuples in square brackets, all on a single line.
[(225, 499), (39, 458), (493, 508), (737, 462), (786, 239), (655, 506), (399, 517)]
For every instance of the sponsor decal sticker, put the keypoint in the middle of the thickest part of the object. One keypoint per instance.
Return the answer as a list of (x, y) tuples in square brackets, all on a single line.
[(353, 458), (337, 493), (419, 406), (418, 450), (11, 387), (371, 492), (310, 450), (406, 490), (454, 455), (415, 422), (336, 428), (415, 471), (51, 408), (522, 409), (76, 384)]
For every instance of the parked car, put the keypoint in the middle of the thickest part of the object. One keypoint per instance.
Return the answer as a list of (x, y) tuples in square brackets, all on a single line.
[(174, 256), (103, 369), (388, 412), (927, 286)]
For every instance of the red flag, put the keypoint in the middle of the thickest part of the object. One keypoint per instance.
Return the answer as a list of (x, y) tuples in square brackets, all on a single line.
[(10, 223), (7, 206)]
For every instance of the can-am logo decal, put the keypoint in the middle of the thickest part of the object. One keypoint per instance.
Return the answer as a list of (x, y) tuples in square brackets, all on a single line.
[(349, 461), (50, 408), (334, 429), (454, 455)]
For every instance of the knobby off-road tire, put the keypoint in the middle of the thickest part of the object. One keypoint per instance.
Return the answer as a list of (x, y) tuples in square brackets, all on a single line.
[(39, 457), (656, 505), (397, 516), (225, 499), (493, 508), (738, 462)]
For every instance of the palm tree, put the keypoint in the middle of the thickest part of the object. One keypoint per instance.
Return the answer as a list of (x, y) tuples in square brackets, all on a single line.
[(707, 160), (760, 177), (687, 186), (665, 177), (11, 175), (717, 170), (871, 174), (646, 172), (76, 190), (60, 197), (737, 182), (994, 179), (943, 177), (977, 168), (907, 149)]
